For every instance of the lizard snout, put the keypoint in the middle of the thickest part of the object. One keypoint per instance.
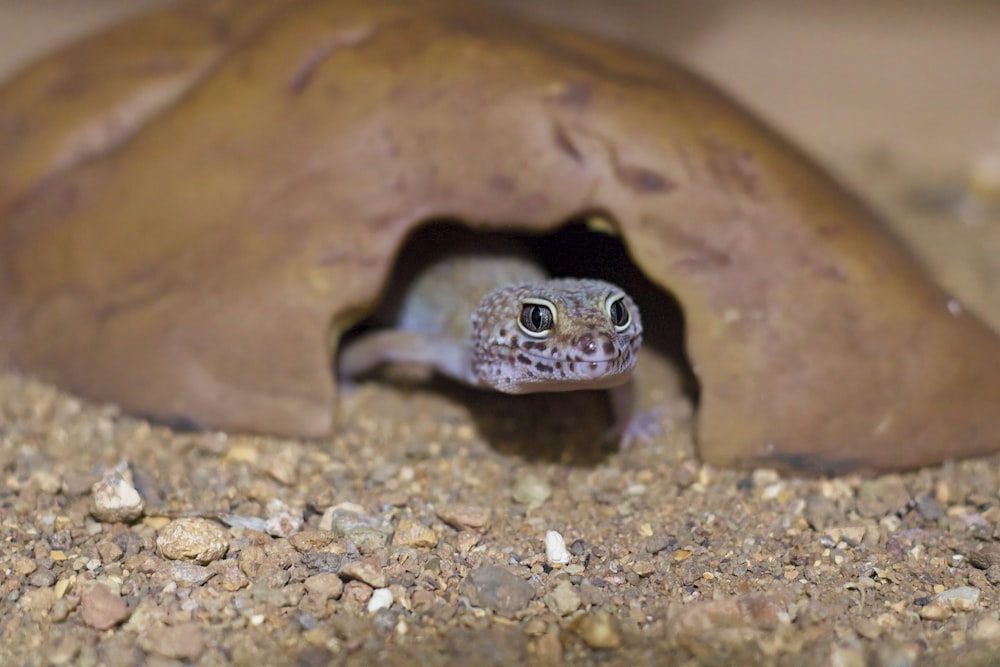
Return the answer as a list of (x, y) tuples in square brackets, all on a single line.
[(599, 347)]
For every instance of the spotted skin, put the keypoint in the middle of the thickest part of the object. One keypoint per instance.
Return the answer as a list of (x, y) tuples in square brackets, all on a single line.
[(582, 350), (464, 316)]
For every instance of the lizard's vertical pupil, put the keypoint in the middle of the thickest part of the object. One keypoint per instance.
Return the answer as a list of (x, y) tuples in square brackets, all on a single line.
[(619, 314), (536, 318)]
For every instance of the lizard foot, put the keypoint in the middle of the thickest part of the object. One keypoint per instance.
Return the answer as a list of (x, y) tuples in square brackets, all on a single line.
[(642, 427)]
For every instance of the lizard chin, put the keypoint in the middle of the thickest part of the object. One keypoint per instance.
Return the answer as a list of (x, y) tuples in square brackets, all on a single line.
[(604, 380)]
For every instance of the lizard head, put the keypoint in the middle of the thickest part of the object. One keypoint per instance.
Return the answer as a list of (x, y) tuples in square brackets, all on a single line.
[(562, 334)]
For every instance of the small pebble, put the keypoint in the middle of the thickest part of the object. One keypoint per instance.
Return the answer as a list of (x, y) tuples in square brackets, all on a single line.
[(367, 532), (100, 608), (109, 551), (598, 630), (326, 585), (555, 548), (657, 543), (24, 566), (821, 512), (963, 598), (936, 610), (852, 535), (229, 576), (467, 539), (531, 490), (563, 599), (42, 579), (367, 570), (282, 520), (114, 498), (881, 496), (187, 574), (463, 516), (283, 465), (410, 533), (684, 474), (311, 540), (194, 539), (381, 599), (929, 508), (985, 557), (497, 589), (762, 477), (772, 491), (644, 568)]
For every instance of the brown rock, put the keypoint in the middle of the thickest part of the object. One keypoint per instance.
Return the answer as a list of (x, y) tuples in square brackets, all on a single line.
[(187, 574), (368, 570), (563, 599), (109, 551), (497, 589), (311, 540), (24, 566), (467, 539), (100, 608), (251, 559), (325, 584), (882, 496), (463, 516), (410, 533), (984, 556), (194, 539), (936, 610), (229, 576), (598, 630)]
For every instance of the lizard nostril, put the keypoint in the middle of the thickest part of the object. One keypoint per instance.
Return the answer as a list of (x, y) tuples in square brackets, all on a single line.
[(586, 344)]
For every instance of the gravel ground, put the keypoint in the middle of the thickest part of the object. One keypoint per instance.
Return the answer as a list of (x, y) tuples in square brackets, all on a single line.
[(443, 526), (408, 539)]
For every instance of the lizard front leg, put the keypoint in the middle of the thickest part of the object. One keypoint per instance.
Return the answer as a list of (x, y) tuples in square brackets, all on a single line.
[(630, 424), (395, 346)]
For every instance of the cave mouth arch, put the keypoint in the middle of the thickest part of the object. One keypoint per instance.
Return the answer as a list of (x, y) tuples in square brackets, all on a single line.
[(585, 246)]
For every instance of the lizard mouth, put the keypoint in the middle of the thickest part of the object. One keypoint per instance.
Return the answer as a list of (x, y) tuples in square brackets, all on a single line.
[(514, 370), (590, 362), (579, 369)]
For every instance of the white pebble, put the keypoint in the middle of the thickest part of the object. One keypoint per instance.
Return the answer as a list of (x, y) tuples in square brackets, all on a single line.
[(114, 498), (555, 548), (772, 491), (282, 520), (963, 598), (381, 599)]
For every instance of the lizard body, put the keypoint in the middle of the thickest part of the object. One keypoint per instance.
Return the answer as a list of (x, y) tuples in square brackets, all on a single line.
[(492, 318)]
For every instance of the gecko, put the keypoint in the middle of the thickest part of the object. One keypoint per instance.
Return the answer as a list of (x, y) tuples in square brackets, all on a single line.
[(491, 317)]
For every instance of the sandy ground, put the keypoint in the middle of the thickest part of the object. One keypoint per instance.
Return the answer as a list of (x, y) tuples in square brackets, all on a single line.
[(382, 545)]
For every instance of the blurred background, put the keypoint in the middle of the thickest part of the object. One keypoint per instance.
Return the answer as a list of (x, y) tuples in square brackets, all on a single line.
[(900, 98)]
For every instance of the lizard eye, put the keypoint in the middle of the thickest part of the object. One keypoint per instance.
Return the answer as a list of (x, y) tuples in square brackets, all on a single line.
[(538, 316), (620, 316)]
